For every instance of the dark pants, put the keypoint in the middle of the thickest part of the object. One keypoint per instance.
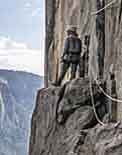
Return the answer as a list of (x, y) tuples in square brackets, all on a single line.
[(81, 70), (64, 68)]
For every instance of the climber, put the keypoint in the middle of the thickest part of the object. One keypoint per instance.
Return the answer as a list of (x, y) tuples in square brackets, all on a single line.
[(71, 54)]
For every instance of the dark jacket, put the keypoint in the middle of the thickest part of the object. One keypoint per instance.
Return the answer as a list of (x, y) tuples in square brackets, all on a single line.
[(72, 49)]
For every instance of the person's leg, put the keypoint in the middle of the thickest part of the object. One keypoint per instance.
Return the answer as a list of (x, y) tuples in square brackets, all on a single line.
[(81, 69), (73, 70), (63, 70)]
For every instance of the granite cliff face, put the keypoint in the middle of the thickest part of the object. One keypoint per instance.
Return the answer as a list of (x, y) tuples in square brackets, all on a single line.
[(64, 123), (61, 114), (105, 35), (64, 120)]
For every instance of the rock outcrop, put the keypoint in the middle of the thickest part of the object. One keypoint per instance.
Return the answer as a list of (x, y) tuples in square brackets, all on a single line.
[(63, 117), (102, 140), (64, 122)]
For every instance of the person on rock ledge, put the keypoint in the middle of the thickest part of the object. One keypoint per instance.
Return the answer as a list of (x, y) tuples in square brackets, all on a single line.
[(71, 55)]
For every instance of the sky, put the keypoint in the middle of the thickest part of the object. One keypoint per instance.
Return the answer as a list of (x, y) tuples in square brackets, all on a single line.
[(22, 35)]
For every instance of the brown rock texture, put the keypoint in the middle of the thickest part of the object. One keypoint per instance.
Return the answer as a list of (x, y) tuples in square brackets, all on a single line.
[(63, 116), (64, 121), (103, 140), (77, 132), (105, 38)]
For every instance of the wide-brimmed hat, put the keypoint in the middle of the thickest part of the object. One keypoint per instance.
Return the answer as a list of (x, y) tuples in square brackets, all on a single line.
[(72, 29)]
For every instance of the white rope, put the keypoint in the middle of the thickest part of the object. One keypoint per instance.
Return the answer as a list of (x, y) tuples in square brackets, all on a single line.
[(107, 95), (105, 7), (93, 104), (102, 90)]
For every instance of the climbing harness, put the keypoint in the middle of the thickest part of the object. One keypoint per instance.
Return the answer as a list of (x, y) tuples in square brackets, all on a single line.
[(105, 7)]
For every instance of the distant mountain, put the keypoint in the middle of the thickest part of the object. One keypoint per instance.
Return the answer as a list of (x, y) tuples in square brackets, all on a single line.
[(17, 99)]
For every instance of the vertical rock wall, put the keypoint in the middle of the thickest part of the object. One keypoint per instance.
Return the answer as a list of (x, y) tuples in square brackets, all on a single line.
[(63, 120), (50, 24), (113, 47), (61, 13)]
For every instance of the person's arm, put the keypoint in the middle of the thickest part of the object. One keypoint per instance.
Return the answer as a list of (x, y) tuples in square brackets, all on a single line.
[(80, 45), (83, 48), (65, 49)]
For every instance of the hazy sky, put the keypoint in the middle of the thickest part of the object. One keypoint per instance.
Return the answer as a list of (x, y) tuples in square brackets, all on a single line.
[(22, 31)]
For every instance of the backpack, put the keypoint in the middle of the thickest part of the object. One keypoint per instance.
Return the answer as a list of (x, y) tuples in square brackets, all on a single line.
[(74, 45), (73, 50)]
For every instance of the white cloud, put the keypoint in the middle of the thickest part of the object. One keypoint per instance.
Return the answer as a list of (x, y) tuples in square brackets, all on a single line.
[(17, 56), (7, 43), (23, 60)]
